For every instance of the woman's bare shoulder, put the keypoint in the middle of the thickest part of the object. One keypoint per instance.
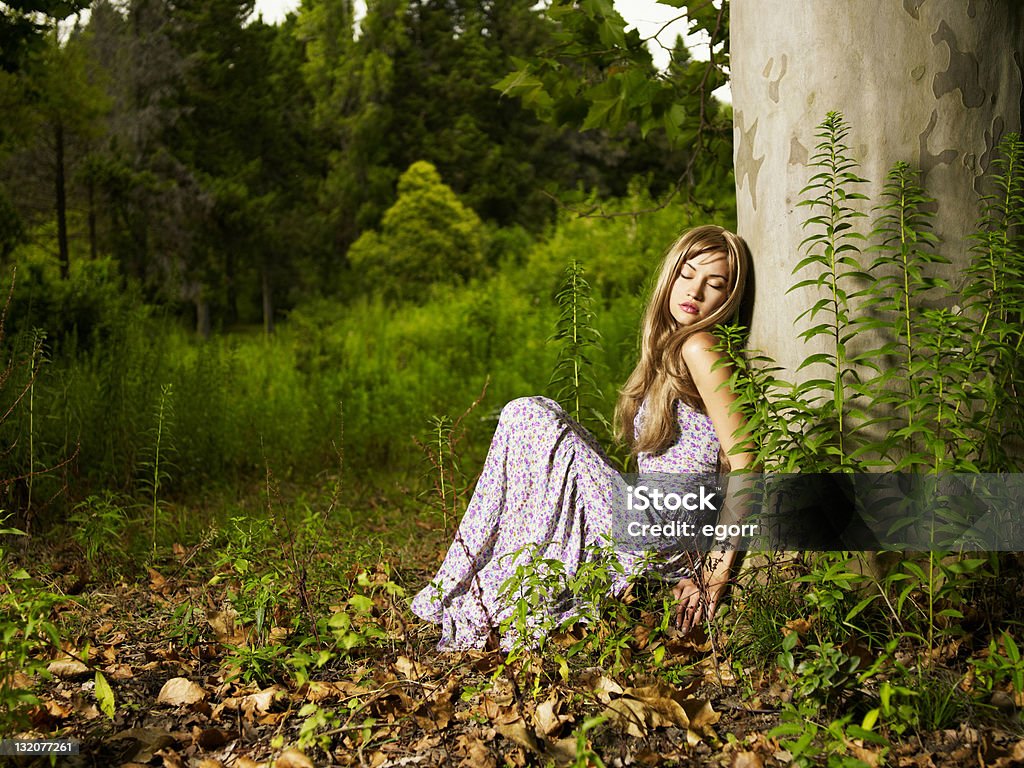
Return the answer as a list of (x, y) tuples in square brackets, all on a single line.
[(700, 344), (700, 355)]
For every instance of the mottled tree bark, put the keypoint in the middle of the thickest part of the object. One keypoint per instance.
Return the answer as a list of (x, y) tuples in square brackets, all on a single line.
[(935, 83)]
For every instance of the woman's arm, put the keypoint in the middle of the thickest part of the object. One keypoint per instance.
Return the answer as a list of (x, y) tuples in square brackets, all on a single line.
[(699, 599)]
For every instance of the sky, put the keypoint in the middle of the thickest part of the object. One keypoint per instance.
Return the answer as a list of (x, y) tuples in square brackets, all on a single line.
[(647, 16)]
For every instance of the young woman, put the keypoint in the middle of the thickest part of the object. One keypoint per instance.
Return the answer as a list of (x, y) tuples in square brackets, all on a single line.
[(547, 483)]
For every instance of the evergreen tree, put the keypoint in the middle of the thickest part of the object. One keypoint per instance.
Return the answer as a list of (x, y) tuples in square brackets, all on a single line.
[(426, 237)]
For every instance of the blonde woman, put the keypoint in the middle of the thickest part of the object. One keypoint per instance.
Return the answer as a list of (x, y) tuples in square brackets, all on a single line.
[(548, 491)]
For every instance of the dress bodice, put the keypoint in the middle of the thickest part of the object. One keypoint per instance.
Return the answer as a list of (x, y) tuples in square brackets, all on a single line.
[(696, 450)]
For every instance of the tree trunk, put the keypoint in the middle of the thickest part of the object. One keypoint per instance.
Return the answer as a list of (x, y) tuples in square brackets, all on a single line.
[(268, 301), (93, 248), (62, 214), (935, 83), (202, 317), (230, 286)]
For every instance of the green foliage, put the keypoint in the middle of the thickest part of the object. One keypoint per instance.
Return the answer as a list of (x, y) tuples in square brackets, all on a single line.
[(98, 525), (921, 400), (992, 303), (905, 247), (257, 584), (596, 75), (599, 74), (1001, 665), (578, 342), (104, 695), (934, 406), (244, 400), (585, 756), (832, 250), (27, 634), (426, 237), (26, 24)]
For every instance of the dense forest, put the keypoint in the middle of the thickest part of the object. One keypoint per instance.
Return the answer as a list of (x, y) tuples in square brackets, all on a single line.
[(175, 166), (267, 287)]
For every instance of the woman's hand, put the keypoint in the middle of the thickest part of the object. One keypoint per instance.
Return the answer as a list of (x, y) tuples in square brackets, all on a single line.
[(698, 599)]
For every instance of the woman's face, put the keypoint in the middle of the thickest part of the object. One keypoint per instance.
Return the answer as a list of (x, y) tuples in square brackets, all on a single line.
[(701, 287)]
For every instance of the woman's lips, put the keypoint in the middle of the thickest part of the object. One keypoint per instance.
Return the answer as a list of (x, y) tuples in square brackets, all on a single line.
[(689, 308)]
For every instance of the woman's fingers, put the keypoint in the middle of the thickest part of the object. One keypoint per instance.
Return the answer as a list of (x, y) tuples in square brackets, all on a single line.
[(693, 607), (689, 611), (691, 617)]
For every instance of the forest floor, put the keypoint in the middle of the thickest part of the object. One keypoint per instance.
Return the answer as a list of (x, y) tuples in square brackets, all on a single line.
[(207, 664)]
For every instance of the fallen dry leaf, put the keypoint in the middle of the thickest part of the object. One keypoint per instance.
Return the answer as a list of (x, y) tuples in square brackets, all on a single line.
[(156, 581), (67, 669), (434, 714), (562, 751), (210, 738), (694, 642), (16, 680), (293, 758), (180, 691), (642, 709), (1005, 758), (474, 752), (547, 719), (604, 687), (747, 760), (251, 704), (279, 634), (171, 759), (800, 626), (118, 672), (319, 690), (208, 763), (145, 742), (224, 626), (408, 668), (262, 701), (48, 713), (518, 732)]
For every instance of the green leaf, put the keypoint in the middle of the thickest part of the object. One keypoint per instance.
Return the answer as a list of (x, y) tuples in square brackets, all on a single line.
[(361, 603), (104, 695)]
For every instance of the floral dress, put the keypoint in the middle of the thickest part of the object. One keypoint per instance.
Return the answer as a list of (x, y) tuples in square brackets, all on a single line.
[(546, 482)]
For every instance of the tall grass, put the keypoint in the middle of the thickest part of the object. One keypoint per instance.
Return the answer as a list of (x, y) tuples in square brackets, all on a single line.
[(244, 400)]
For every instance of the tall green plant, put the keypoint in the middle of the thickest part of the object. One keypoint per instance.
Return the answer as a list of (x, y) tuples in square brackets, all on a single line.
[(156, 464), (579, 343), (904, 250), (993, 297), (832, 248)]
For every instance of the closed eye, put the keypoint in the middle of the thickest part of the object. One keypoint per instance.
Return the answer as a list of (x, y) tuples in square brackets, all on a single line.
[(718, 285)]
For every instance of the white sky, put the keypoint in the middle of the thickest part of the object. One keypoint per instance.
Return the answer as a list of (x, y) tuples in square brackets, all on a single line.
[(647, 16)]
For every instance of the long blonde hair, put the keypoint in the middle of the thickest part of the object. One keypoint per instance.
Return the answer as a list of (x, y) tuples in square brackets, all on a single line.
[(661, 375)]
